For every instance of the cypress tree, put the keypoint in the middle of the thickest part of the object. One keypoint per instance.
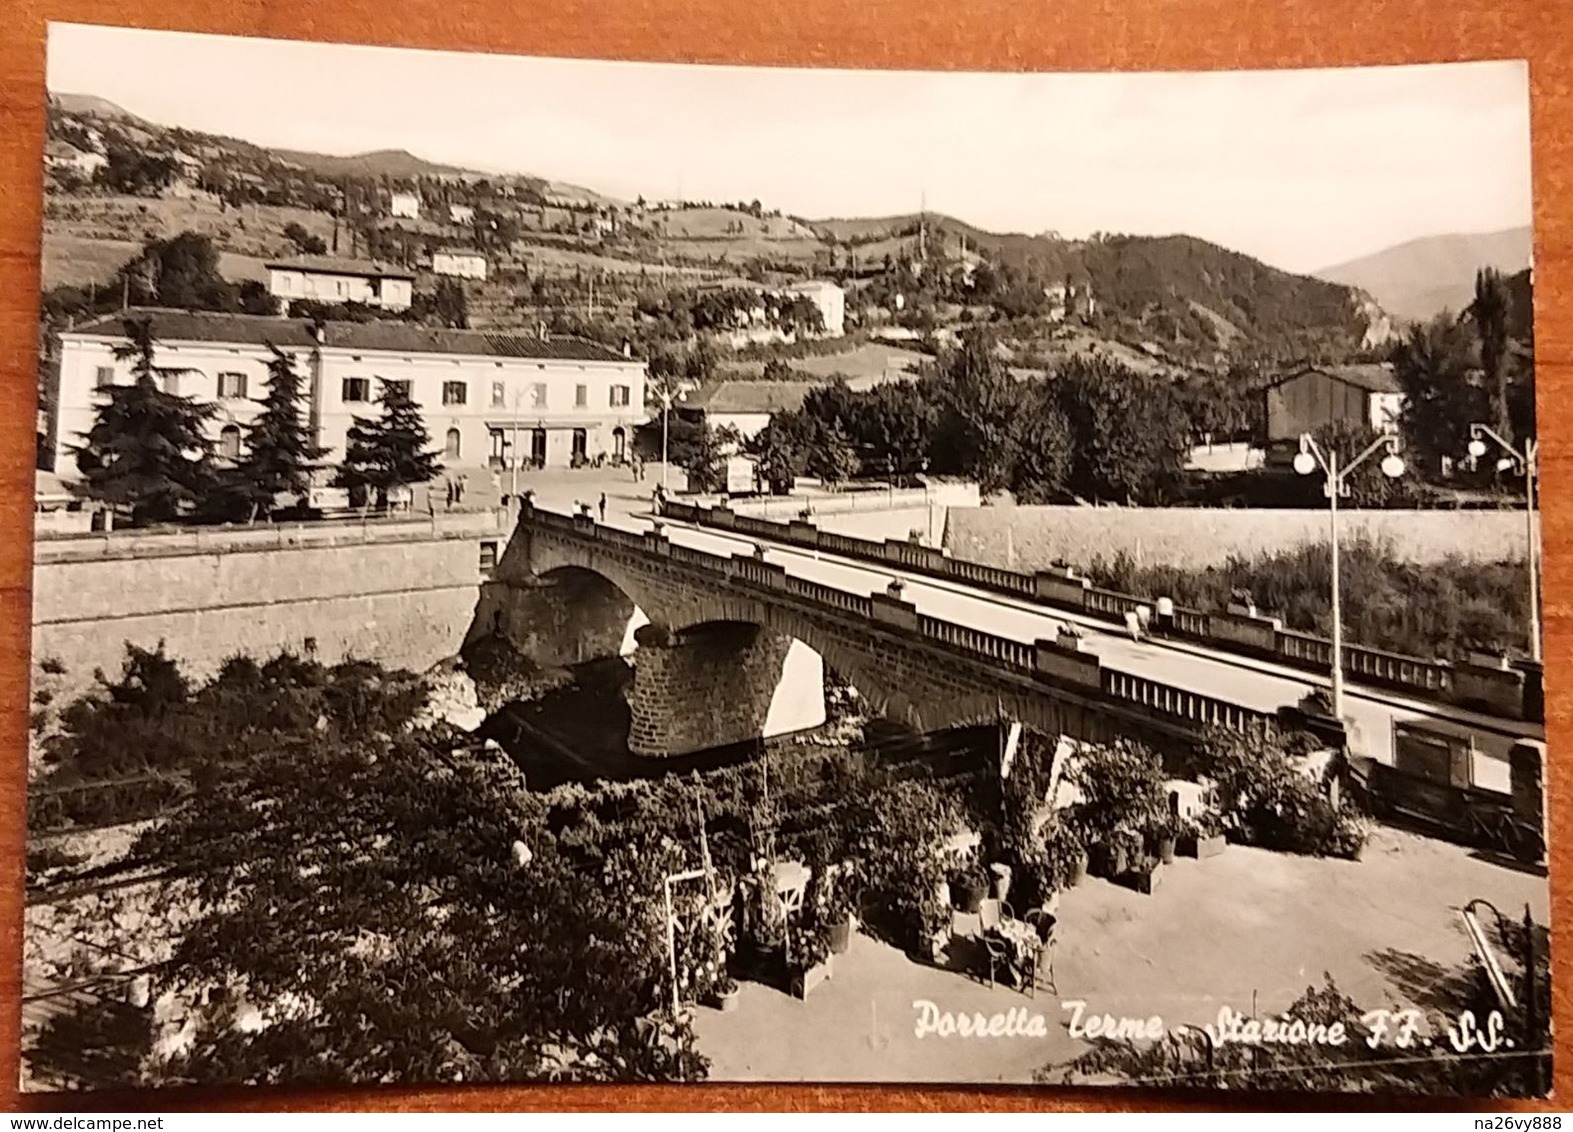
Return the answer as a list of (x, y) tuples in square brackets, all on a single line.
[(388, 451), (280, 451), (147, 451)]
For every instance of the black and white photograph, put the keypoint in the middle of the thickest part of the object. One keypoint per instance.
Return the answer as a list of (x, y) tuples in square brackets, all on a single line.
[(558, 570)]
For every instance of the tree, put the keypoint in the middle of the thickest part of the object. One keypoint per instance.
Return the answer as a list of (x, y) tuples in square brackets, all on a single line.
[(280, 450), (147, 450), (451, 305), (303, 240), (389, 451), (1046, 448), (774, 458), (182, 272), (127, 169), (892, 423), (404, 940), (1490, 313), (1131, 435), (979, 409), (1368, 485), (829, 456), (1432, 365)]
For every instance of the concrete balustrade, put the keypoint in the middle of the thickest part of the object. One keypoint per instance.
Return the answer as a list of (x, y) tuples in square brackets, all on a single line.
[(1239, 630)]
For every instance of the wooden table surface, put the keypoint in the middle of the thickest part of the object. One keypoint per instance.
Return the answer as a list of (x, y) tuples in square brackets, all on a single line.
[(958, 34)]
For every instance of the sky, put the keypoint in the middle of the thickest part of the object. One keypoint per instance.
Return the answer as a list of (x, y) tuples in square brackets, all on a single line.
[(1302, 169)]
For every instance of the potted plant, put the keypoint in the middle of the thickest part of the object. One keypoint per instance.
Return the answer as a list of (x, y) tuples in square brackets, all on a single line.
[(1065, 856), (1144, 875), (1203, 837), (969, 884), (832, 897), (1162, 836), (726, 994), (935, 924), (808, 960)]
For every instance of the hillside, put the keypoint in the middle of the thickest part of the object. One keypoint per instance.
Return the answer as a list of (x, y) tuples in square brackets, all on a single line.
[(1175, 295), (1421, 278), (92, 106), (398, 164), (1169, 303)]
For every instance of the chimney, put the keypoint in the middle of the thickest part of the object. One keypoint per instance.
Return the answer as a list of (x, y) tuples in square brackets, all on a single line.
[(540, 330), (628, 348)]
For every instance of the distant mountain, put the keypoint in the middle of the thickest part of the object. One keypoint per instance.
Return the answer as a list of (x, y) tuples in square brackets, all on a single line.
[(395, 163), (91, 105), (1423, 277)]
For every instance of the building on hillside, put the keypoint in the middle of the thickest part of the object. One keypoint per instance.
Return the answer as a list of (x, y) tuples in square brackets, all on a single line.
[(405, 206), (831, 301), (746, 405), (61, 156), (488, 399), (461, 214), (1313, 397), (329, 279), (463, 263)]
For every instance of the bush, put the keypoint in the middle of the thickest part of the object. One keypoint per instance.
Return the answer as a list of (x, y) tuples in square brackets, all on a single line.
[(1271, 801), (1443, 609)]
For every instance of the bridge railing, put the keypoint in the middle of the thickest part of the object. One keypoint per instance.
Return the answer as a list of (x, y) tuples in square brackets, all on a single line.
[(994, 651), (1012, 653), (1179, 703), (1481, 687)]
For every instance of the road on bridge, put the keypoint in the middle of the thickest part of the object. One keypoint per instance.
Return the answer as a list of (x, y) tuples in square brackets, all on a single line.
[(1369, 713)]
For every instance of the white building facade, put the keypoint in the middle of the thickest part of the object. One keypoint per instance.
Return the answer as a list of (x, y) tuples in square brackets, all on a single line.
[(487, 399), (459, 263), (406, 206), (831, 301), (325, 280)]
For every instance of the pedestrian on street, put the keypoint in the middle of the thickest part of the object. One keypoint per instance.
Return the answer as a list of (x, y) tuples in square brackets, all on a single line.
[(603, 506), (450, 494), (462, 480), (1133, 625)]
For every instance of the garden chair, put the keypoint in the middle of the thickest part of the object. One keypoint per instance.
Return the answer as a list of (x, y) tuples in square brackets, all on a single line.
[(991, 914), (1042, 961)]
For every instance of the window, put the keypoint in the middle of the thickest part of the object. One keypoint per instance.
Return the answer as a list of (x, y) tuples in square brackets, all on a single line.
[(232, 386), (104, 378), (488, 556), (454, 393), (397, 386), (499, 395), (229, 442), (619, 396), (538, 395), (171, 383), (451, 444), (357, 389), (581, 396)]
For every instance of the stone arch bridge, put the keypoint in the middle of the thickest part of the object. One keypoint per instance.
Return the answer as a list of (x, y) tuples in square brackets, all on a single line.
[(566, 587)]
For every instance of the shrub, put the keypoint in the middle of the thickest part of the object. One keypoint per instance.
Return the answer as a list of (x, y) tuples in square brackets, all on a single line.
[(1273, 803)]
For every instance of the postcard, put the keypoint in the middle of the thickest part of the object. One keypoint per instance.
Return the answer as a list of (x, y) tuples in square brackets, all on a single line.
[(558, 570)]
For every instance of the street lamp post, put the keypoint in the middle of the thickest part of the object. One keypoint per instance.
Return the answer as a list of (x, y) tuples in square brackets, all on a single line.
[(1314, 457), (1528, 462)]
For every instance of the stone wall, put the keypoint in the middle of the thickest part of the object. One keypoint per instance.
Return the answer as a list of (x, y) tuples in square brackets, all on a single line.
[(567, 616), (710, 686), (1031, 538), (405, 600)]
